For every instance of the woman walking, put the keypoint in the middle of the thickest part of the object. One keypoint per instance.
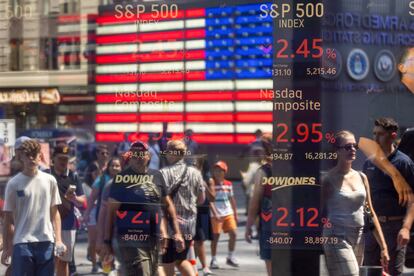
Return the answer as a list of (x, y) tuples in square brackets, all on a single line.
[(345, 197)]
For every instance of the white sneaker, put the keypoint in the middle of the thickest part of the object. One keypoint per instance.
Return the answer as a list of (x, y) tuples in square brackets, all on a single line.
[(232, 262), (207, 271), (214, 264)]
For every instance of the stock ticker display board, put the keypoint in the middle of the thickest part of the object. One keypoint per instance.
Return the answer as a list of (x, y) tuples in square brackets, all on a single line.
[(301, 70)]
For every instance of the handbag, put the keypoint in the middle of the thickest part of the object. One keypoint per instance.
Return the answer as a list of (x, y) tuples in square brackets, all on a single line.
[(368, 220)]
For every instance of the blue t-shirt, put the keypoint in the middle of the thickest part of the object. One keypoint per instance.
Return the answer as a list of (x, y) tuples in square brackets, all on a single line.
[(383, 193), (99, 184), (138, 189), (140, 197)]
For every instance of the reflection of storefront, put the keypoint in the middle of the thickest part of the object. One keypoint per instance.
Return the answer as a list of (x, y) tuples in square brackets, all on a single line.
[(32, 108), (46, 99)]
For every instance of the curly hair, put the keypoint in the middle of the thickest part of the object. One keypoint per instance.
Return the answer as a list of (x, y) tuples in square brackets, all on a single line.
[(389, 124), (30, 147)]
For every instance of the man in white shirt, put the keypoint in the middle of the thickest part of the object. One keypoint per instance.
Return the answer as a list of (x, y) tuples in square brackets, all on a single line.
[(31, 220)]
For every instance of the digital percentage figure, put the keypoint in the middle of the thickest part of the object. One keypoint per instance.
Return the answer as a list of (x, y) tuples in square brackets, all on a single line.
[(307, 48), (303, 133), (331, 53), (330, 137), (303, 217), (326, 223)]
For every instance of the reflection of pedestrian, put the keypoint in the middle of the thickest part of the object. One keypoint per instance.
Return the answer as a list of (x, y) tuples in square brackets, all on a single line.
[(192, 147), (30, 206), (395, 219), (4, 159), (406, 68), (186, 189), (138, 257), (154, 149), (223, 214), (345, 194), (203, 225), (16, 164), (261, 202), (255, 159), (94, 170), (71, 194)]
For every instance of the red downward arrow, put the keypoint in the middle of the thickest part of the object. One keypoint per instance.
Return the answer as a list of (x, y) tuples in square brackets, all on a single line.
[(121, 215), (265, 217)]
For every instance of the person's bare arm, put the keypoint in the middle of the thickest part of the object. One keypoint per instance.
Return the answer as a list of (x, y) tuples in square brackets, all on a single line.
[(379, 236), (404, 235), (8, 233), (77, 200), (234, 207), (172, 216), (91, 203), (373, 151), (57, 226), (112, 207), (201, 197), (57, 223), (254, 204), (210, 191), (100, 225)]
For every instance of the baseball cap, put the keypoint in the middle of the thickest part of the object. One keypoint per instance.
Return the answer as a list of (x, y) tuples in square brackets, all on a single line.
[(61, 149), (222, 165), (139, 145), (20, 141)]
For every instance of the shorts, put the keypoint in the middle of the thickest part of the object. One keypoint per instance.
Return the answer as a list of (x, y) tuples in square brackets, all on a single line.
[(92, 217), (203, 226), (35, 258), (137, 261), (264, 248), (172, 255), (227, 224), (68, 239)]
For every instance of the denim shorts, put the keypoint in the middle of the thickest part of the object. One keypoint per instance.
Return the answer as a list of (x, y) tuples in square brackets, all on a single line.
[(35, 258)]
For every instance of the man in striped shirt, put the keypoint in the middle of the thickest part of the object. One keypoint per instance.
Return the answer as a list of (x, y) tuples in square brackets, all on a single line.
[(185, 186)]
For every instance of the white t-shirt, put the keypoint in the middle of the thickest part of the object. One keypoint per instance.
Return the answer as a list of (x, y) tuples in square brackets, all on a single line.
[(29, 199)]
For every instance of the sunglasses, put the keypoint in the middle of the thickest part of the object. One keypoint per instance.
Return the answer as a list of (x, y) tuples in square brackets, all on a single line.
[(348, 147)]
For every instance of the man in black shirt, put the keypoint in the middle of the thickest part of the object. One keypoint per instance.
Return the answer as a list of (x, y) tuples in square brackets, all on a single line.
[(135, 201), (395, 219)]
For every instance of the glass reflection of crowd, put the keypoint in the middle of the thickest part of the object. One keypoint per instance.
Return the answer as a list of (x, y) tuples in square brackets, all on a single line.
[(197, 204)]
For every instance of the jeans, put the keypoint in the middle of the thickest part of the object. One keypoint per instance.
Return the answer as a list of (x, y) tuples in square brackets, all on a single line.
[(33, 259), (397, 254)]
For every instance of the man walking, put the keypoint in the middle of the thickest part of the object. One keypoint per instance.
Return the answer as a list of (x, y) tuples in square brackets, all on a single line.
[(71, 194), (30, 207), (395, 219), (186, 189), (135, 199)]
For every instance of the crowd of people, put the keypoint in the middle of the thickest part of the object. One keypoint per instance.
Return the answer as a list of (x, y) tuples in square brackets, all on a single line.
[(142, 217), (150, 206)]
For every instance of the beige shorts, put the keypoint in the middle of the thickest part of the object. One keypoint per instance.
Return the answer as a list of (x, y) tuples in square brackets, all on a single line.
[(68, 239)]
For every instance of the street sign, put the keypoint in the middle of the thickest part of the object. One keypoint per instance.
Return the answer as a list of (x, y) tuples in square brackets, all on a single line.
[(8, 131)]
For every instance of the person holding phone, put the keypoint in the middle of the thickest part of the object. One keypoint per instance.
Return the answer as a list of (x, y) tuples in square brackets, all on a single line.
[(345, 195), (71, 193)]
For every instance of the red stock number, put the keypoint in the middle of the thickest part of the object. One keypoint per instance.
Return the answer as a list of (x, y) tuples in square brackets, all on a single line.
[(308, 47), (307, 217), (302, 133)]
